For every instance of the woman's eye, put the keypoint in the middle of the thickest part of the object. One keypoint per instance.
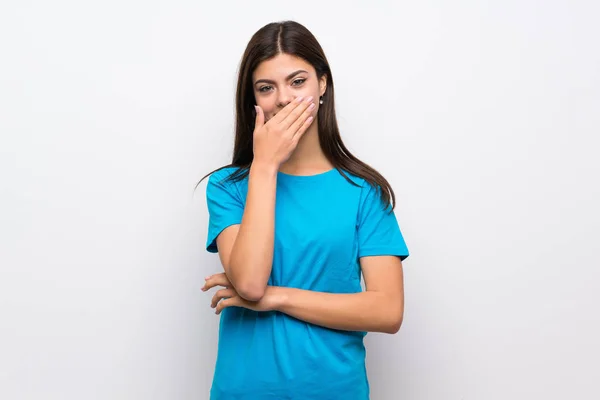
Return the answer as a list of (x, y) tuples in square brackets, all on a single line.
[(296, 82)]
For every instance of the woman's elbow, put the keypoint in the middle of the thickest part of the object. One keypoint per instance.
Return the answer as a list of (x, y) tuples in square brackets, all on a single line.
[(394, 325), (251, 291), (394, 319), (248, 288)]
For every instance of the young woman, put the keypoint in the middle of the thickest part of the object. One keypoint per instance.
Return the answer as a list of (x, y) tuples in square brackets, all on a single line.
[(296, 219)]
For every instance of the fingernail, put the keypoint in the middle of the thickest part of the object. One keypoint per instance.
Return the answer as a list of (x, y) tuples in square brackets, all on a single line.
[(312, 105), (309, 99), (299, 99)]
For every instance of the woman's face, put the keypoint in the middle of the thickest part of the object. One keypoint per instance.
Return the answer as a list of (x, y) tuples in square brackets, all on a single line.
[(281, 79)]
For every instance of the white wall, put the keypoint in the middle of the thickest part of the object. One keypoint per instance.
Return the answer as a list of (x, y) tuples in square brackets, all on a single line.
[(483, 115)]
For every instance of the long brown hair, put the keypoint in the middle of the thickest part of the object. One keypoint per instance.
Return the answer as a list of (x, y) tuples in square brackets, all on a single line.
[(290, 37)]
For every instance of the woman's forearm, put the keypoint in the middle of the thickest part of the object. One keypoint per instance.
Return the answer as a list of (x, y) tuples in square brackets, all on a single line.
[(251, 257), (369, 311)]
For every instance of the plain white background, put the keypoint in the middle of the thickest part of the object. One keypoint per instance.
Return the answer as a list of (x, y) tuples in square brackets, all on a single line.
[(484, 116)]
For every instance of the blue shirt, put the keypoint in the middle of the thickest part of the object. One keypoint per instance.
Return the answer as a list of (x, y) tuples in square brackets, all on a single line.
[(323, 226)]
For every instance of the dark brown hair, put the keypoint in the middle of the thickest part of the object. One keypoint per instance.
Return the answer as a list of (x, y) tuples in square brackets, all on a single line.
[(290, 37)]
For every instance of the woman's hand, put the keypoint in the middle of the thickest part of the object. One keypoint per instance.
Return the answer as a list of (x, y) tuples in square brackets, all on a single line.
[(275, 141), (228, 297)]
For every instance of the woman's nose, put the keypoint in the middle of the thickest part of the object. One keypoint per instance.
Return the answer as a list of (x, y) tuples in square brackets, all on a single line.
[(285, 97)]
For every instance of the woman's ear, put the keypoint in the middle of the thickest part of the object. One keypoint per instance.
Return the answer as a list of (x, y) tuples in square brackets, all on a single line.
[(323, 84)]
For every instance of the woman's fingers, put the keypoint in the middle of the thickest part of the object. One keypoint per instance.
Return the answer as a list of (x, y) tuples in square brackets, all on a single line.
[(216, 280), (222, 294), (223, 297), (226, 303), (286, 111), (233, 301), (302, 123), (296, 115), (303, 129), (276, 139), (260, 116)]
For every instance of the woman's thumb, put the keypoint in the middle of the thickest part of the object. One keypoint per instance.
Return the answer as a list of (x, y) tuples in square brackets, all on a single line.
[(260, 117)]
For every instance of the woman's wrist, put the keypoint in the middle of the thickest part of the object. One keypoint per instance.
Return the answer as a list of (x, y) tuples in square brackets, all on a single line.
[(264, 168), (277, 297)]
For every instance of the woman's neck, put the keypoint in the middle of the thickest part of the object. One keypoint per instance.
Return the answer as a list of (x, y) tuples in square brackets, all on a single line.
[(308, 157)]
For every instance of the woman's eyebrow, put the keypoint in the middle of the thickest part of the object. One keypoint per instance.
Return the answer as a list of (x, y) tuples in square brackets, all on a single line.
[(290, 76)]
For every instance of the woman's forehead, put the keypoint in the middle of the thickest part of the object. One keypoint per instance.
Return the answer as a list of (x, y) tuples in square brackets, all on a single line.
[(280, 66)]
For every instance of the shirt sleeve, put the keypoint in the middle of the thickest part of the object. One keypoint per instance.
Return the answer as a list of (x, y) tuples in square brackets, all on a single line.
[(378, 230), (225, 208)]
